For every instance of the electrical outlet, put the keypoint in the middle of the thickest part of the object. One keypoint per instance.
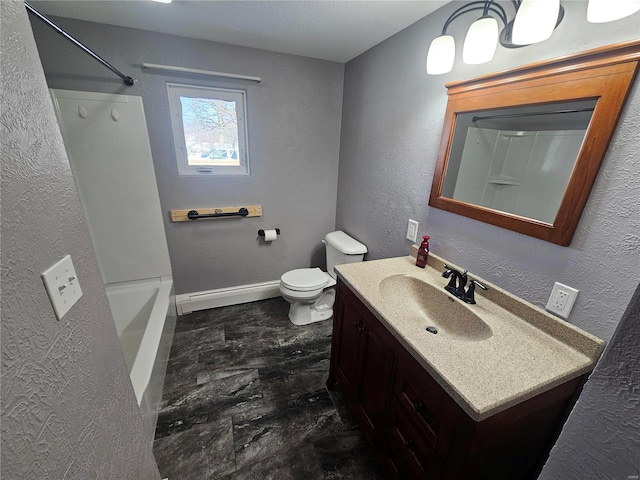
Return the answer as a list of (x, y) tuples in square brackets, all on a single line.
[(412, 230), (562, 299)]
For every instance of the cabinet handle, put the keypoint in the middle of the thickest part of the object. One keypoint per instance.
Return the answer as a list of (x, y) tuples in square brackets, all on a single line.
[(418, 406), (410, 444), (361, 329), (357, 322)]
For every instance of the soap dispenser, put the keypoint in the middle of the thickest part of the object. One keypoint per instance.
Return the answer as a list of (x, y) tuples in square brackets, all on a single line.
[(423, 252)]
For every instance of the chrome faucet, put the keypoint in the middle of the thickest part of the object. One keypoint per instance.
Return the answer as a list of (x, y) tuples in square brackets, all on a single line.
[(458, 282)]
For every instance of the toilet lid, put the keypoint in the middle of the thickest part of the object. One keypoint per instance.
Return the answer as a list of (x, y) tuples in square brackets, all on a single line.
[(304, 279)]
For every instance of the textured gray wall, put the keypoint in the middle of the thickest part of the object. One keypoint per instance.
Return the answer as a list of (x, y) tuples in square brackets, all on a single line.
[(600, 439), (294, 130), (392, 118), (68, 408)]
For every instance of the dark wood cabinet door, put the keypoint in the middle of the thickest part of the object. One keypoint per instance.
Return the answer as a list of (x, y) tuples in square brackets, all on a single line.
[(428, 406), (348, 326), (405, 445), (375, 381)]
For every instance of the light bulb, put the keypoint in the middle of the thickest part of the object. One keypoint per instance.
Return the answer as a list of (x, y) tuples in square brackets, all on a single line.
[(481, 41), (535, 21), (600, 11), (442, 53)]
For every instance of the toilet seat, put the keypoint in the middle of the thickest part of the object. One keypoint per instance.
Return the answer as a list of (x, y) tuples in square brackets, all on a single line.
[(305, 279)]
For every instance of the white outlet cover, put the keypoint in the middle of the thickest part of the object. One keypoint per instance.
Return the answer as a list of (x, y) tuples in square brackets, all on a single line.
[(558, 289), (62, 285)]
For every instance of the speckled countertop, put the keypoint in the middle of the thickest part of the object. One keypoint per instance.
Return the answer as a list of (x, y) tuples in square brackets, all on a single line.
[(510, 352)]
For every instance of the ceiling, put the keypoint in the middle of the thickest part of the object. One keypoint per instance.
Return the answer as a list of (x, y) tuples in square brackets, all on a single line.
[(334, 30)]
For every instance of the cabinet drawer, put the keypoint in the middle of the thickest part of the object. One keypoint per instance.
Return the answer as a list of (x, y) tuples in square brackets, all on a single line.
[(425, 404), (407, 453)]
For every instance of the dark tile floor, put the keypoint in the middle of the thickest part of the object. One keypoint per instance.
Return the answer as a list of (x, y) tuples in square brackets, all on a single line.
[(245, 398)]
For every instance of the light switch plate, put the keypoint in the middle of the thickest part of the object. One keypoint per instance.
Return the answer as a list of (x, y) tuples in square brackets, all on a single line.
[(562, 299), (412, 230), (62, 285)]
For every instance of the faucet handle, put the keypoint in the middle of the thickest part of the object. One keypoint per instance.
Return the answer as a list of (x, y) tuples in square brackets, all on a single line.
[(477, 283), (469, 296), (462, 282)]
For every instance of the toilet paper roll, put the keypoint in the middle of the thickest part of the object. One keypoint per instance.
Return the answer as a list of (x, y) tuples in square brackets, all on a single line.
[(270, 235)]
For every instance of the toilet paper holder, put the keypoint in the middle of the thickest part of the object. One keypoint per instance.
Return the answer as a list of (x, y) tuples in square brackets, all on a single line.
[(261, 232)]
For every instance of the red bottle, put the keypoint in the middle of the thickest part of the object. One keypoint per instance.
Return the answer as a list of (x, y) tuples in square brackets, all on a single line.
[(423, 252)]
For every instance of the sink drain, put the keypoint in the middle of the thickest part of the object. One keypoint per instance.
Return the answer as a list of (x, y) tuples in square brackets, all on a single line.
[(433, 330)]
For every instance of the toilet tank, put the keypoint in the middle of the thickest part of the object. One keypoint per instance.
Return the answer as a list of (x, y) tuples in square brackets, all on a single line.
[(341, 249)]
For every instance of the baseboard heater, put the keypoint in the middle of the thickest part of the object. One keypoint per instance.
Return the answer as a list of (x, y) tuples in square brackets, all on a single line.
[(222, 297)]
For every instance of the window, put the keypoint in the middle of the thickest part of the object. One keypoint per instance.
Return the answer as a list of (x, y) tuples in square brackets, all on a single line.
[(209, 130)]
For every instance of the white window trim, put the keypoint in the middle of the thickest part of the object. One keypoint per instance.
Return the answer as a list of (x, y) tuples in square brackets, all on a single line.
[(174, 92)]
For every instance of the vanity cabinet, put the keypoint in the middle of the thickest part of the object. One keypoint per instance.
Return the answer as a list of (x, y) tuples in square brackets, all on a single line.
[(363, 363), (414, 426)]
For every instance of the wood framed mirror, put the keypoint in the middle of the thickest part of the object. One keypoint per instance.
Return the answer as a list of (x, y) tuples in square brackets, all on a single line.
[(521, 149)]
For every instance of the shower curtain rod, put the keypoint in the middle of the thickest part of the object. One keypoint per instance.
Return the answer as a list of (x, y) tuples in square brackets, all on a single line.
[(127, 80)]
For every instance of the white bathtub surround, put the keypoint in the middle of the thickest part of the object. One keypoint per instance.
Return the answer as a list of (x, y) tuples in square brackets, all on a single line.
[(222, 297), (108, 147), (110, 155)]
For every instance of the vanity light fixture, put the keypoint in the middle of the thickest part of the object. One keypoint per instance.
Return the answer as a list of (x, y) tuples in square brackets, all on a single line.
[(534, 22), (162, 1), (442, 53), (600, 11), (481, 41)]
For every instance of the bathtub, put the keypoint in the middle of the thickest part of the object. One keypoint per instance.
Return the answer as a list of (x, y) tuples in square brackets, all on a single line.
[(139, 311)]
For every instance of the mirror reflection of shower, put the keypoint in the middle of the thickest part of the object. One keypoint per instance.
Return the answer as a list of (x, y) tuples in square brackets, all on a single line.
[(517, 160)]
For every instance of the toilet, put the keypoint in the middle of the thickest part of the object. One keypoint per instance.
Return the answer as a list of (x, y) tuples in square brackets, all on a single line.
[(309, 291)]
